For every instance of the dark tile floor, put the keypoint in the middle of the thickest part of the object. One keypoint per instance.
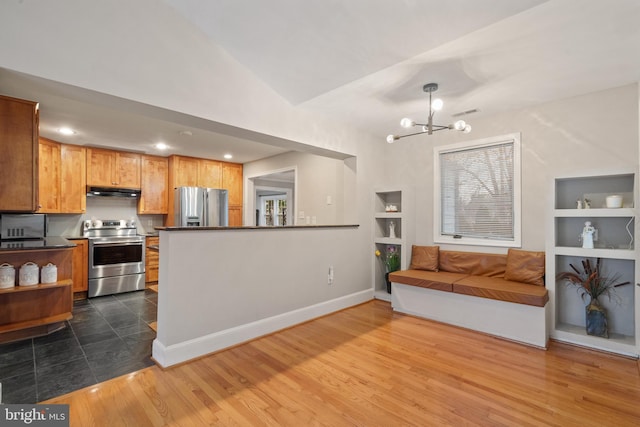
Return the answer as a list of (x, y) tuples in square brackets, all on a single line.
[(108, 336)]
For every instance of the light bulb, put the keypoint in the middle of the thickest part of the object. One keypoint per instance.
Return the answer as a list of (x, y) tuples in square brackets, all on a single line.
[(66, 131), (437, 104), (459, 125), (407, 123), (467, 129), (161, 146), (391, 139)]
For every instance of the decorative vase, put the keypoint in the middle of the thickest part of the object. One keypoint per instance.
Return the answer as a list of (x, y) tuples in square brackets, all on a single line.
[(386, 278), (596, 320)]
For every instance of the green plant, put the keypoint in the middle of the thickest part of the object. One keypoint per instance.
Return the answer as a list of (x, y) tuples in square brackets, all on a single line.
[(590, 280), (391, 258)]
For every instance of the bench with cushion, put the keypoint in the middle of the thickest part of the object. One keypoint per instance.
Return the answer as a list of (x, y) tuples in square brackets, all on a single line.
[(502, 295)]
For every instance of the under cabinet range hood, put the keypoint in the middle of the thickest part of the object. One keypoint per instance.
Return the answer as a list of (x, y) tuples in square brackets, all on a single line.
[(112, 192)]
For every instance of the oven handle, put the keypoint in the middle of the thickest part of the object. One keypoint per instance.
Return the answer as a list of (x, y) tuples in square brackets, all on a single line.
[(125, 243)]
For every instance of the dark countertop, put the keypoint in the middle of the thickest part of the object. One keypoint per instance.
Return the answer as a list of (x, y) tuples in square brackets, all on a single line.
[(286, 227), (50, 242)]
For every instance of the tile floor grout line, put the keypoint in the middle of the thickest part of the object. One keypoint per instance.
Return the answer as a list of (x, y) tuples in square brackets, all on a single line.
[(84, 354)]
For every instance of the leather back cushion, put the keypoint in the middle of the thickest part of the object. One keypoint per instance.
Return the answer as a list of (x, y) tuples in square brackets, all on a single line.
[(525, 266), (473, 263), (424, 258)]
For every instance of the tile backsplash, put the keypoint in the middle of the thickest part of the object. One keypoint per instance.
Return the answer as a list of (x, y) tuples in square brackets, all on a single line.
[(69, 225)]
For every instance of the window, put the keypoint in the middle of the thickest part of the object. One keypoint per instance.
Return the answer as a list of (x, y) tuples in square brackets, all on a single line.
[(477, 192)]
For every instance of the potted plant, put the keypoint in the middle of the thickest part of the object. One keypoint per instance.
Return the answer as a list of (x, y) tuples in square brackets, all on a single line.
[(391, 263), (590, 281)]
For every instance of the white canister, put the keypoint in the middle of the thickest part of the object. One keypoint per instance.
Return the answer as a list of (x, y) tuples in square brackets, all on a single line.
[(7, 276), (614, 201), (29, 273), (49, 273)]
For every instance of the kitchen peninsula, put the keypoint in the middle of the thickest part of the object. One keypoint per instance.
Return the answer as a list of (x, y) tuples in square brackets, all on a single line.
[(220, 286), (30, 311)]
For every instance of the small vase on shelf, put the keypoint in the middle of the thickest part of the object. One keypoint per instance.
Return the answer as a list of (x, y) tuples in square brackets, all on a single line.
[(392, 230)]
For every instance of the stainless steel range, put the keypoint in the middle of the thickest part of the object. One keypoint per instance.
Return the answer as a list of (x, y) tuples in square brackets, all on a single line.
[(116, 257)]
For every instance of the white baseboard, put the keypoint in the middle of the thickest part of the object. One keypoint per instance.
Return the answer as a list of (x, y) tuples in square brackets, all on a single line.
[(167, 356)]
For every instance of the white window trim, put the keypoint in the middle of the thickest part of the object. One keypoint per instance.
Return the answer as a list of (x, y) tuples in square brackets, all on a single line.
[(517, 190)]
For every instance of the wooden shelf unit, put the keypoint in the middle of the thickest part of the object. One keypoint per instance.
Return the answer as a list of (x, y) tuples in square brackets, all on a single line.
[(30, 311)]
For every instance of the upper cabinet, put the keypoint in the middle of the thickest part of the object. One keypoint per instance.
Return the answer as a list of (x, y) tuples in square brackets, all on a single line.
[(73, 179), (183, 172), (209, 173), (107, 168), (155, 182), (19, 160), (194, 172), (62, 181), (49, 176)]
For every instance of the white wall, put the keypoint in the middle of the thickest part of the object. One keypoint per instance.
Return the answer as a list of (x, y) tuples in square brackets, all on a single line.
[(220, 288), (69, 225), (317, 178), (147, 52), (587, 135)]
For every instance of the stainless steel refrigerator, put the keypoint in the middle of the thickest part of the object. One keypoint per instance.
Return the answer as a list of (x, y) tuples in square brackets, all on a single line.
[(201, 207)]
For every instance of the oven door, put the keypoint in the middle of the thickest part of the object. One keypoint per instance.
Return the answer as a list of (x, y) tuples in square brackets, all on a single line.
[(109, 257)]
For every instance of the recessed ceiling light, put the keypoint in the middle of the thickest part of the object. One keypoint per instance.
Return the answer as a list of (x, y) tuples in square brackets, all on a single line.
[(161, 146), (186, 133), (228, 156), (66, 131)]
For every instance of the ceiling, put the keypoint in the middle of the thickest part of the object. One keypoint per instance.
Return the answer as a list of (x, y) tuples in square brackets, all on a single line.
[(364, 62)]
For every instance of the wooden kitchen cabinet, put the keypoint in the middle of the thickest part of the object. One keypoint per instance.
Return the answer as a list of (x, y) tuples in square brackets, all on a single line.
[(108, 168), (62, 181), (232, 181), (154, 196), (183, 172), (80, 261), (194, 172), (31, 311), (19, 159), (152, 259), (49, 176), (235, 216), (209, 173), (73, 179)]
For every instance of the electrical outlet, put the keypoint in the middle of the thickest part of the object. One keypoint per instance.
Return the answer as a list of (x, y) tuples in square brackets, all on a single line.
[(301, 215), (330, 275)]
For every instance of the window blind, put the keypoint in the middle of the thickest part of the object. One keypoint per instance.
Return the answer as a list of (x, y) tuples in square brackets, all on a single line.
[(477, 192)]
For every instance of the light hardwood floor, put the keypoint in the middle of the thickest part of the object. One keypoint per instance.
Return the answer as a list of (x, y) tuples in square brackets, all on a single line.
[(368, 366)]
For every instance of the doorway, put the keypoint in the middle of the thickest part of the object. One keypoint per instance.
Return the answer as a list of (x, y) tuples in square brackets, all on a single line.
[(274, 198)]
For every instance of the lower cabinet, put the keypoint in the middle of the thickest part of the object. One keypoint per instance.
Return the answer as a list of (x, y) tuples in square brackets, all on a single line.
[(152, 260), (80, 275)]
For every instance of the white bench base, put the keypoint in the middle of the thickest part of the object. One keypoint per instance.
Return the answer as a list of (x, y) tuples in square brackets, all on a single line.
[(517, 322)]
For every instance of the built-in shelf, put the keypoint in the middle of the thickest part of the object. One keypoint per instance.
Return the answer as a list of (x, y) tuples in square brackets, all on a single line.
[(382, 240), (614, 243), (596, 253), (39, 287), (388, 215), (595, 213), (574, 334)]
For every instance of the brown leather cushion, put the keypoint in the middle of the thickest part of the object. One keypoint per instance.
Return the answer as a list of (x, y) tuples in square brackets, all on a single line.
[(424, 258), (502, 290), (441, 280), (525, 266), (473, 263)]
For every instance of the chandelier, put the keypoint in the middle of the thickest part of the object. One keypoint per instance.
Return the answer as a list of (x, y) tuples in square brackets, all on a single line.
[(429, 128)]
